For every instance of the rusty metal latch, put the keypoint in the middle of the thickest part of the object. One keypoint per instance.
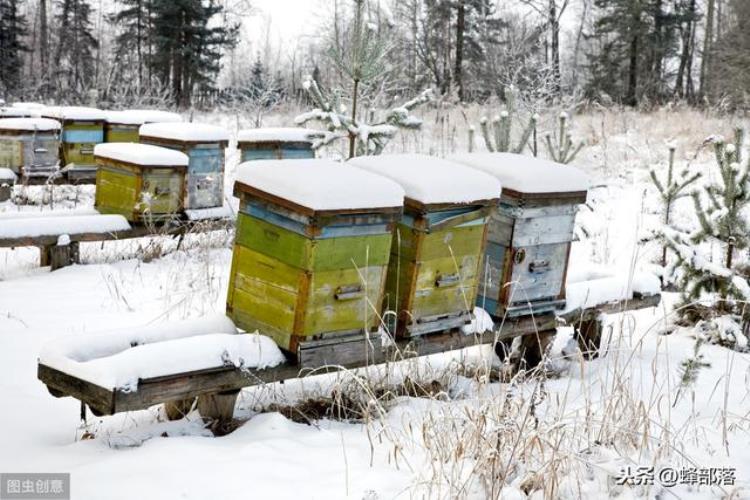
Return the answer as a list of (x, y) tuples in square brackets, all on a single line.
[(349, 292), (444, 280), (539, 266)]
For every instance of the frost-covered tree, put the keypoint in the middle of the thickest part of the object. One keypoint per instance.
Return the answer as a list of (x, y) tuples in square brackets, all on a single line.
[(721, 224), (370, 138)]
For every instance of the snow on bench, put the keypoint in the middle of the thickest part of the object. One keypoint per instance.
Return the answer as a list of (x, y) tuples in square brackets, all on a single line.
[(117, 360), (321, 184), (526, 174), (280, 134), (27, 226), (597, 287), (428, 179), (198, 214), (36, 213)]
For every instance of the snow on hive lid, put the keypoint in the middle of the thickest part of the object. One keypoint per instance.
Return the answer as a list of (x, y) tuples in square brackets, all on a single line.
[(141, 154), (15, 112), (30, 124), (141, 116), (186, 132), (321, 184), (74, 113), (29, 105), (428, 179), (526, 174), (7, 175), (281, 134)]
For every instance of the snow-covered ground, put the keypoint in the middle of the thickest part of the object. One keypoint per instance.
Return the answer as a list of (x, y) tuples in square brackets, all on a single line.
[(565, 435)]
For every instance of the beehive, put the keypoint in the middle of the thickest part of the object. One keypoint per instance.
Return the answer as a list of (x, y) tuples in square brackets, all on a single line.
[(530, 235), (82, 129), (311, 250), (122, 126), (30, 146), (277, 143), (204, 145), (141, 182), (438, 245)]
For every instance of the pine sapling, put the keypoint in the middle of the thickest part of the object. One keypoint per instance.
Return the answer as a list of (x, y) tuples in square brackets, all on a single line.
[(499, 137), (670, 190), (563, 151)]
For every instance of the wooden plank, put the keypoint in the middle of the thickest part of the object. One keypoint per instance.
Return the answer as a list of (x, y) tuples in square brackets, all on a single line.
[(193, 384), (98, 398)]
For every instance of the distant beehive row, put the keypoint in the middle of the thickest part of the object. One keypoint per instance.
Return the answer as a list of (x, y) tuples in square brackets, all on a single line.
[(322, 249)]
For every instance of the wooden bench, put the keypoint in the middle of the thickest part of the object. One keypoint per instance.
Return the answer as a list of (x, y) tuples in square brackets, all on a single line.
[(216, 389), (43, 230)]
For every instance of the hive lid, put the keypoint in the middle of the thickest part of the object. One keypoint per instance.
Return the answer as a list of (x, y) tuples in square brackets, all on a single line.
[(29, 124), (141, 154), (74, 113), (279, 134), (184, 132), (526, 174), (141, 116), (429, 180), (320, 185)]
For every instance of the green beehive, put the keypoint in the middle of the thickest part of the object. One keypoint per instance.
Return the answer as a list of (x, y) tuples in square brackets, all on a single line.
[(204, 144), (311, 250), (437, 250), (82, 129), (277, 143), (30, 146), (143, 183), (122, 126)]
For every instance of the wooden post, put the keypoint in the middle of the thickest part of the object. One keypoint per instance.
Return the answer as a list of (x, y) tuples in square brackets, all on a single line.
[(589, 336), (217, 405), (60, 256), (5, 192), (44, 255)]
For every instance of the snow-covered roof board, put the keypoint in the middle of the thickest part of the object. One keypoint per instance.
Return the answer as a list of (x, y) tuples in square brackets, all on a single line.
[(118, 359), (321, 184), (141, 154), (526, 174), (141, 116), (428, 179), (280, 134), (187, 132), (29, 105), (30, 124), (76, 113)]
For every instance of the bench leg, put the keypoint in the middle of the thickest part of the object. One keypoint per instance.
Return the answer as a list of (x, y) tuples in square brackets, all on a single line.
[(589, 336), (44, 255), (217, 406), (60, 256)]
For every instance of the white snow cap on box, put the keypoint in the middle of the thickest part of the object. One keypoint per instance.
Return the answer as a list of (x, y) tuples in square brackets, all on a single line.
[(321, 184), (29, 105), (141, 116), (74, 113), (142, 154), (16, 112), (189, 132), (31, 124), (428, 179), (280, 134), (7, 175), (526, 174)]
